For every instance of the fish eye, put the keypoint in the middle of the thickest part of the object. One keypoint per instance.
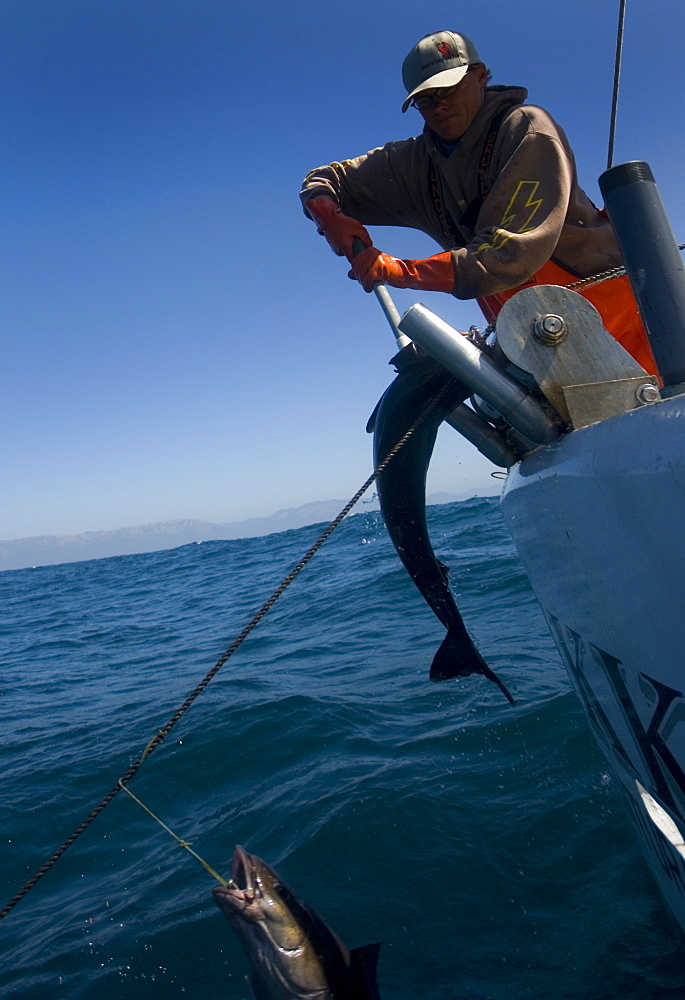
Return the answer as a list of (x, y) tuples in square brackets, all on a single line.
[(285, 894)]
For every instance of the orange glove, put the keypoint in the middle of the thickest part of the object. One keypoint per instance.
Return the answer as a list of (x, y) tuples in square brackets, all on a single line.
[(434, 274), (340, 230)]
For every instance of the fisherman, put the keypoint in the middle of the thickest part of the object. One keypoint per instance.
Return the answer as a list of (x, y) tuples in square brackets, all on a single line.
[(493, 180)]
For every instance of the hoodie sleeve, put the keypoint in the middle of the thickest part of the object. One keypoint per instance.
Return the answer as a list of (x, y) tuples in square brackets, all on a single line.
[(384, 187), (522, 217)]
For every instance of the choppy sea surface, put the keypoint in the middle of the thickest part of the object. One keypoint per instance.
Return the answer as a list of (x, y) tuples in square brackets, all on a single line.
[(484, 844)]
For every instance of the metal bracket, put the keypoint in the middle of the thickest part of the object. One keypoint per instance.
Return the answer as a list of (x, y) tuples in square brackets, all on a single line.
[(600, 400), (557, 336)]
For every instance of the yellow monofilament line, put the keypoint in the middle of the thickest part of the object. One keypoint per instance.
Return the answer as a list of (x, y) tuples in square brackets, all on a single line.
[(184, 843)]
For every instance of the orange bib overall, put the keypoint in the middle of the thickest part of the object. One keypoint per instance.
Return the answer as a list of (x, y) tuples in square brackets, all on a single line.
[(613, 299)]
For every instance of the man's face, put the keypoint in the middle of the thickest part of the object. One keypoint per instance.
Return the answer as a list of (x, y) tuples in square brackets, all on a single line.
[(451, 115)]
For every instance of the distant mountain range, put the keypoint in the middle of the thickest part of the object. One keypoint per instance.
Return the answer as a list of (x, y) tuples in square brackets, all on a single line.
[(47, 550)]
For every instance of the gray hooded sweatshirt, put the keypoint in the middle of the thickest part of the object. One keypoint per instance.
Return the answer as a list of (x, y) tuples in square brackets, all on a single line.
[(503, 212)]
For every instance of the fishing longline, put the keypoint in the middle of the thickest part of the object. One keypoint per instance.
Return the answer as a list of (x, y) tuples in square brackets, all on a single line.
[(162, 733), (617, 77)]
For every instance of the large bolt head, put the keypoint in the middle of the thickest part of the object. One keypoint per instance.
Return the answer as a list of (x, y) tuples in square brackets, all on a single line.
[(647, 393), (550, 329)]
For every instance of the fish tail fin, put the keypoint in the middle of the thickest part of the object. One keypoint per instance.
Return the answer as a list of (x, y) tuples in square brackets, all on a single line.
[(492, 676), (457, 658)]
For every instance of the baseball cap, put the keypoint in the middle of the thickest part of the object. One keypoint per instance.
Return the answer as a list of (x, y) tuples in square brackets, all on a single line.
[(438, 60)]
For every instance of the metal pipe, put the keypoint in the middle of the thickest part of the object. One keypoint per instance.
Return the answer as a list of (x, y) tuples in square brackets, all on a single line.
[(459, 356), (483, 435), (392, 313), (653, 263)]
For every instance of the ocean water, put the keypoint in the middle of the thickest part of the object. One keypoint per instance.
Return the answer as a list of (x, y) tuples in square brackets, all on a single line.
[(484, 844)]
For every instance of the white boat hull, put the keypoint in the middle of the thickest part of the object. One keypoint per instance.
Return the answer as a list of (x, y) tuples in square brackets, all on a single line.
[(598, 519)]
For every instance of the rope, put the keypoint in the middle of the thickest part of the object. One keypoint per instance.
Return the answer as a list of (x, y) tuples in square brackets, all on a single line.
[(161, 734), (595, 279), (617, 76), (185, 844)]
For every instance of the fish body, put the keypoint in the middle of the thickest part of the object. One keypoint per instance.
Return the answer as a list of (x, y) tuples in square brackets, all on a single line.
[(294, 954), (402, 495)]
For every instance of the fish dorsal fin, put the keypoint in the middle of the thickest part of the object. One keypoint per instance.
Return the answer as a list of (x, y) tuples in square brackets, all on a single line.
[(371, 422), (365, 960)]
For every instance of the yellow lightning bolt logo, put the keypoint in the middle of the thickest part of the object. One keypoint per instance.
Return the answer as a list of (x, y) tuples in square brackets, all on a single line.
[(522, 205)]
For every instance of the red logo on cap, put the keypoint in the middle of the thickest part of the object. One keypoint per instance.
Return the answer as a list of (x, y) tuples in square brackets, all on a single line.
[(445, 50)]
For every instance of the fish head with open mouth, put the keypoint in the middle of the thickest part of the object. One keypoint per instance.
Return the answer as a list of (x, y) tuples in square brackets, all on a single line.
[(294, 954)]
